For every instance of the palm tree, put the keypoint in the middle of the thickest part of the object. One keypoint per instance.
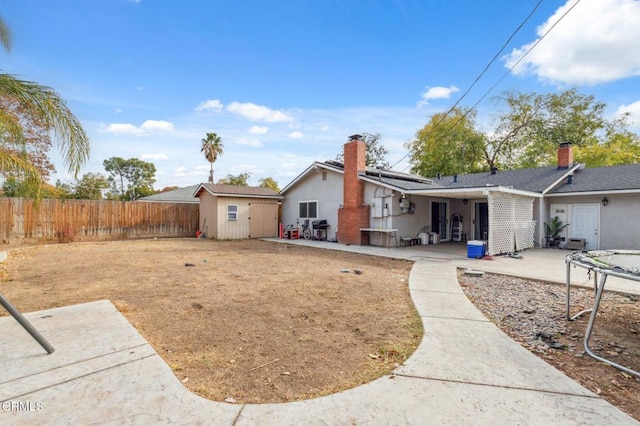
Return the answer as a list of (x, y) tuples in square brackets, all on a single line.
[(45, 104), (212, 149)]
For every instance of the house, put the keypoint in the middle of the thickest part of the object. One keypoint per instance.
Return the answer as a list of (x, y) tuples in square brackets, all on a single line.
[(234, 212), (507, 209)]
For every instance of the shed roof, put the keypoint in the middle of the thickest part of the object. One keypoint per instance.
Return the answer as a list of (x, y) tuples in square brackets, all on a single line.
[(221, 190)]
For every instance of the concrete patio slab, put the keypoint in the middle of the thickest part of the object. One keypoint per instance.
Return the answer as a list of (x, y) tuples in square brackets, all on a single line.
[(411, 401)]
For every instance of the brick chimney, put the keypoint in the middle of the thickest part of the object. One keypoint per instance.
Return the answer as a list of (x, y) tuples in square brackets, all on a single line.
[(354, 214), (565, 155)]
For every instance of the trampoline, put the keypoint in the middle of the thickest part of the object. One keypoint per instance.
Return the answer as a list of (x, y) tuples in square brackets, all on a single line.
[(617, 263)]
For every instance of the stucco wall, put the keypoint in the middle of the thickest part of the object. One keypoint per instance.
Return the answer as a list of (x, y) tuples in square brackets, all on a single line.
[(619, 227), (328, 194)]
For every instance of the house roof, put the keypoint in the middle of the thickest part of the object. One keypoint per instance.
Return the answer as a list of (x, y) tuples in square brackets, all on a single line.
[(538, 179), (327, 165), (602, 179), (221, 190), (180, 195)]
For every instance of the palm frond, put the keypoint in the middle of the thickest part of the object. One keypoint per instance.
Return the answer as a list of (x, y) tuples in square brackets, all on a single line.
[(44, 102)]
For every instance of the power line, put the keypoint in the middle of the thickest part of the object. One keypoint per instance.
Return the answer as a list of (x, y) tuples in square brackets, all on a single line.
[(506, 43), (502, 77)]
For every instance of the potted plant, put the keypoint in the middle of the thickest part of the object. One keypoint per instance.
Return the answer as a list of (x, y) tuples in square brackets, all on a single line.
[(553, 230)]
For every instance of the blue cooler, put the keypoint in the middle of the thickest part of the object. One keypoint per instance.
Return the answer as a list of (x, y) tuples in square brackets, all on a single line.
[(475, 249)]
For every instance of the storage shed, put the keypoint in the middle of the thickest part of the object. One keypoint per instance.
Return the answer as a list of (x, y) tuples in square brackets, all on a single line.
[(236, 212)]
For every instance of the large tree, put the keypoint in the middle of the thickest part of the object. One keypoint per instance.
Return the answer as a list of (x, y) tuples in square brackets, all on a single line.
[(130, 179), (268, 182), (41, 105), (241, 179), (212, 149), (527, 132), (447, 144), (375, 151)]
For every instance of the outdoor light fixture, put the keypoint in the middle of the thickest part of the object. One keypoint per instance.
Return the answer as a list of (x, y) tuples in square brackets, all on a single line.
[(605, 201), (465, 201)]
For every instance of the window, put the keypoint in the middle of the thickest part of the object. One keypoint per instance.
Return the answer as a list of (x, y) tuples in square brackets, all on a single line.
[(232, 212), (308, 209), (324, 175)]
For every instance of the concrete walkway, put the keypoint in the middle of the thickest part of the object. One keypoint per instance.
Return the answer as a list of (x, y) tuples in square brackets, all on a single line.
[(104, 372)]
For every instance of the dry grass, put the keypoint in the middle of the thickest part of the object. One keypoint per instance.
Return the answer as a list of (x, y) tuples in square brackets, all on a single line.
[(252, 320)]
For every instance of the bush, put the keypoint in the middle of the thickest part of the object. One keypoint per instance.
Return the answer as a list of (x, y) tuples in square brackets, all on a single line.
[(66, 234)]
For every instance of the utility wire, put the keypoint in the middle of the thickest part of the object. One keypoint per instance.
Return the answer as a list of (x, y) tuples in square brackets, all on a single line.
[(501, 78), (485, 70)]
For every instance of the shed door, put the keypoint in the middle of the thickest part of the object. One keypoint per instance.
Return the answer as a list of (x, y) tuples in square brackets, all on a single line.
[(263, 220), (584, 224)]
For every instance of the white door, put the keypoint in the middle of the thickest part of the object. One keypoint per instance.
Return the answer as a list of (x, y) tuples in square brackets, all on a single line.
[(585, 220)]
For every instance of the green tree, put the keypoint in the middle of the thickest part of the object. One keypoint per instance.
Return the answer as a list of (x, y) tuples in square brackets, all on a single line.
[(268, 182), (532, 126), (447, 145), (621, 147), (130, 179), (528, 130), (46, 107), (212, 149), (90, 186), (241, 179), (375, 151)]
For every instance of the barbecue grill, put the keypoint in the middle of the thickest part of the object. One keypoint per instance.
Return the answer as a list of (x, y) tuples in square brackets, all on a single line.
[(319, 229)]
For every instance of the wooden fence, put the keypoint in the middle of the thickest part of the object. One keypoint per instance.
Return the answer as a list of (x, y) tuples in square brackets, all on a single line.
[(56, 220)]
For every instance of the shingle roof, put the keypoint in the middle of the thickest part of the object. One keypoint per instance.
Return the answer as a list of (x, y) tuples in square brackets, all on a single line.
[(532, 180), (235, 190), (180, 195), (611, 178)]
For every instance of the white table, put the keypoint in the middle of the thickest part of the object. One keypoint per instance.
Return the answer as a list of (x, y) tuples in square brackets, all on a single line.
[(384, 233)]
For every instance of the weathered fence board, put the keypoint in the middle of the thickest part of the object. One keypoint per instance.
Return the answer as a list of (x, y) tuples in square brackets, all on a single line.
[(23, 218)]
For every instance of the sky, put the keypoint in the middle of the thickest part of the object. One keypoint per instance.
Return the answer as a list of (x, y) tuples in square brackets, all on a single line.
[(285, 83)]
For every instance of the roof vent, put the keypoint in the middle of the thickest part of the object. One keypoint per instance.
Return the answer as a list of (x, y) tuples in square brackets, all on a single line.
[(494, 170), (570, 180), (355, 137), (455, 178), (438, 176)]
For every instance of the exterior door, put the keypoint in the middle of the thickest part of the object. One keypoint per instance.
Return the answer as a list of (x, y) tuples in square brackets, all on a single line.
[(263, 220), (439, 221), (585, 220), (481, 221)]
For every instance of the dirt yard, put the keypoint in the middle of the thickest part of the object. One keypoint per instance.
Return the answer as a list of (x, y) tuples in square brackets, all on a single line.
[(533, 314), (238, 321)]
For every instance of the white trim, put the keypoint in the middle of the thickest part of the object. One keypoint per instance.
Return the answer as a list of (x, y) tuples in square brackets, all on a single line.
[(315, 166), (557, 182), (235, 212), (307, 202), (607, 192)]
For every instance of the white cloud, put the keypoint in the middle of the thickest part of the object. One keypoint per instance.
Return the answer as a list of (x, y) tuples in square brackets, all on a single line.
[(296, 135), (596, 42), (147, 126), (124, 129), (154, 157), (157, 126), (633, 110), (258, 130), (437, 92), (258, 112), (118, 111), (254, 143), (139, 88), (181, 169), (210, 105)]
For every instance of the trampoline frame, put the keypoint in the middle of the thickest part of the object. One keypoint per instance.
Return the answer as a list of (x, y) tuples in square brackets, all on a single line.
[(577, 259)]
